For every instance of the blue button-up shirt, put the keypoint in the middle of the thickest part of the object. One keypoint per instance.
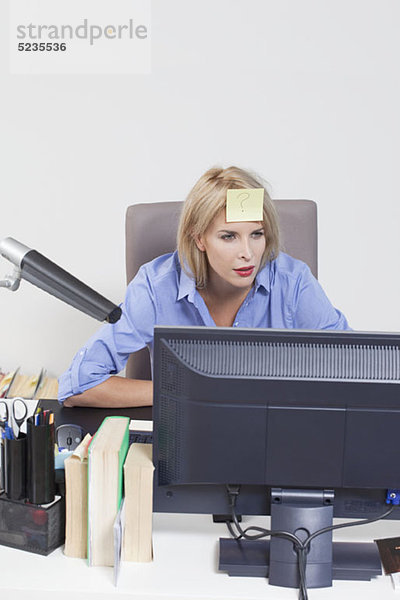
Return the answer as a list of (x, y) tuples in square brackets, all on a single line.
[(285, 296)]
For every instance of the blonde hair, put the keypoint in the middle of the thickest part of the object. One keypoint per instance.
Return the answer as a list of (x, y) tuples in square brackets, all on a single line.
[(206, 199)]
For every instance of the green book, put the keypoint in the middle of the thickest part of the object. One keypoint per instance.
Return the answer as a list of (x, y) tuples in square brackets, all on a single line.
[(106, 456)]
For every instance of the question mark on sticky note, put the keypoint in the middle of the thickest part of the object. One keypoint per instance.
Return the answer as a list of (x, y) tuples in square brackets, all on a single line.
[(246, 197), (244, 204)]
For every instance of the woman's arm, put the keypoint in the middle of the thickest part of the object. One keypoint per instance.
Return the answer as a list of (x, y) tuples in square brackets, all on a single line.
[(115, 392), (87, 382)]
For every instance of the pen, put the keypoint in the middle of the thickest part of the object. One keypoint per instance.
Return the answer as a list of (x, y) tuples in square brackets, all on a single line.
[(36, 416), (8, 432)]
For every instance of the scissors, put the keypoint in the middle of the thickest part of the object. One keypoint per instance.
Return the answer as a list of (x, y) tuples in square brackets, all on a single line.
[(4, 419), (18, 415)]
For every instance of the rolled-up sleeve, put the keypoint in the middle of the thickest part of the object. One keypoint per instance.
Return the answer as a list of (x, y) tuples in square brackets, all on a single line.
[(108, 350)]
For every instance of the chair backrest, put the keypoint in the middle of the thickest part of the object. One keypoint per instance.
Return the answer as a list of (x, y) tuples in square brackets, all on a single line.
[(151, 231)]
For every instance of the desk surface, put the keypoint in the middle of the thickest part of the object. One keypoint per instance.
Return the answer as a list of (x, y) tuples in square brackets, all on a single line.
[(90, 419), (184, 567), (185, 557)]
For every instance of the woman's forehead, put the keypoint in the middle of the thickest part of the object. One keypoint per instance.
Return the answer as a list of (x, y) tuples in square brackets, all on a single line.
[(220, 222)]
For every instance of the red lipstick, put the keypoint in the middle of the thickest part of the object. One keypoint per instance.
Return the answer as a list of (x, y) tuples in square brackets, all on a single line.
[(245, 271)]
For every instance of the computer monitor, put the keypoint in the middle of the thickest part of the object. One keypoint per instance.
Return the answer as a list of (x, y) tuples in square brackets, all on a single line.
[(302, 425)]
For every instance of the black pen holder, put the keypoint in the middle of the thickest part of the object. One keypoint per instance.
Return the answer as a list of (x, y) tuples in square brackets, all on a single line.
[(40, 463), (15, 467), (38, 529)]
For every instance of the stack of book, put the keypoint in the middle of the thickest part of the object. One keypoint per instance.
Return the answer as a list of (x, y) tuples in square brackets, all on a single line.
[(95, 476)]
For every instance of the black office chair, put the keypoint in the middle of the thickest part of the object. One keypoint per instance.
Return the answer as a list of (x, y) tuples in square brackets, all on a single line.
[(151, 231)]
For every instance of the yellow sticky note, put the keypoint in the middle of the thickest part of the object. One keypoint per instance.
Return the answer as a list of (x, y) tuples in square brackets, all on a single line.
[(244, 205)]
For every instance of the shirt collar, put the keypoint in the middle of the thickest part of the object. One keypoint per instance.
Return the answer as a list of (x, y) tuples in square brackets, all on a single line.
[(263, 278), (187, 285)]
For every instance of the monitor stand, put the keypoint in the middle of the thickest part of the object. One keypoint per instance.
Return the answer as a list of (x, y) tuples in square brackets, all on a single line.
[(301, 512)]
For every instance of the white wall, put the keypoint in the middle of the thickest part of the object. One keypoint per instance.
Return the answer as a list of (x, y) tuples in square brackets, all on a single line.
[(306, 92)]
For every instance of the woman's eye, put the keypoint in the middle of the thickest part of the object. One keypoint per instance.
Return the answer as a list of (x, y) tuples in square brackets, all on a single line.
[(258, 234), (227, 236)]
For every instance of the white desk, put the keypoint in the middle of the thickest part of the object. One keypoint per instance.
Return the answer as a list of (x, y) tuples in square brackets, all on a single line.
[(184, 567)]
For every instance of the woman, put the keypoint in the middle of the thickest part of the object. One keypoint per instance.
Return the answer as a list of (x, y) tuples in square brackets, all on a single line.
[(223, 273)]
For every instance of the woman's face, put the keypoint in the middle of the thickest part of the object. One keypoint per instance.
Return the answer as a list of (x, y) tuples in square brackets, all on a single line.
[(234, 251)]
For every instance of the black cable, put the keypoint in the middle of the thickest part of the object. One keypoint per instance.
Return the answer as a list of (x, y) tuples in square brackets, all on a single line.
[(351, 524), (243, 533), (308, 540), (302, 561), (301, 547), (302, 557), (261, 531)]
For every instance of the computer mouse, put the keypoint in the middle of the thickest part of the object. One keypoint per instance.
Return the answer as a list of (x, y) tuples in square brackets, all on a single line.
[(69, 436)]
